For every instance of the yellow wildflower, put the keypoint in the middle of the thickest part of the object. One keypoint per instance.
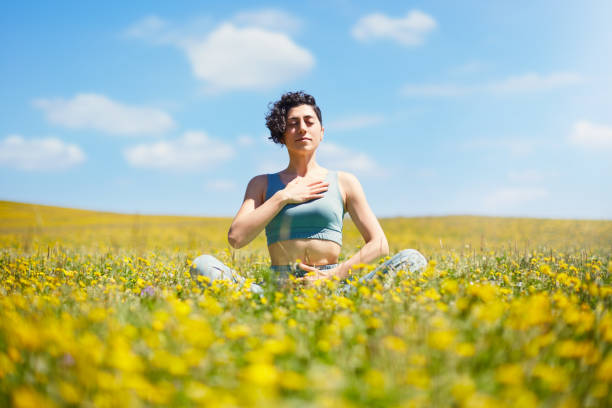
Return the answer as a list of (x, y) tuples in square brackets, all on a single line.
[(604, 371), (440, 339), (509, 374), (394, 343), (462, 388), (465, 349), (263, 375), (26, 397), (554, 378)]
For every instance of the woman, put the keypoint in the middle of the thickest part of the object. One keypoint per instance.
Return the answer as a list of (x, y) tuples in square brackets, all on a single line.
[(302, 208)]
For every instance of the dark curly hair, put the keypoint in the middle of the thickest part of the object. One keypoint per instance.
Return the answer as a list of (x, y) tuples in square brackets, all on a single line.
[(276, 119)]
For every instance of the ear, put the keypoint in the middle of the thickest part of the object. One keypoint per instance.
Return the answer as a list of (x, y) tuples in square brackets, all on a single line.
[(322, 132)]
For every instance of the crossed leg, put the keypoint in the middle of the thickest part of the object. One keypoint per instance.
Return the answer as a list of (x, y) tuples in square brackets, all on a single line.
[(210, 267), (213, 269)]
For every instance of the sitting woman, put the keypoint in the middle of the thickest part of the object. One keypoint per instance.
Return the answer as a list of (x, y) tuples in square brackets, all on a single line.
[(302, 208)]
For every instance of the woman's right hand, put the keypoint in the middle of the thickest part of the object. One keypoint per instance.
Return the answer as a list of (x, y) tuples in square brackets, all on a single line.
[(300, 190)]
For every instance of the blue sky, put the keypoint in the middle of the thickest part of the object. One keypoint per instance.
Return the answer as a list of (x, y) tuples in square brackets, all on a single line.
[(474, 107)]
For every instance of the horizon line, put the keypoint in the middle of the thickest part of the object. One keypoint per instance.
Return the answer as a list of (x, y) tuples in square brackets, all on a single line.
[(385, 217)]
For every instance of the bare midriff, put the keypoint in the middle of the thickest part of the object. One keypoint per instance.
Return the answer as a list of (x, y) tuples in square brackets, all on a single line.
[(312, 252)]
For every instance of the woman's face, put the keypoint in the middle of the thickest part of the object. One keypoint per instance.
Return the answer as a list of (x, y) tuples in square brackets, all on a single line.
[(303, 131)]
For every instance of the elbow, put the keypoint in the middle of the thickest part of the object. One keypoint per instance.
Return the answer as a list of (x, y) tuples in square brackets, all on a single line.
[(378, 246), (384, 246), (233, 243), (234, 240), (237, 240)]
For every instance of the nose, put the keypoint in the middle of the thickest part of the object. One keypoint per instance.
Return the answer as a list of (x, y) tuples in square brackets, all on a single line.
[(302, 127)]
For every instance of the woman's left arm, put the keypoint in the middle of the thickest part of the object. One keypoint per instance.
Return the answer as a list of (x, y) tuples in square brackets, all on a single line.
[(376, 244)]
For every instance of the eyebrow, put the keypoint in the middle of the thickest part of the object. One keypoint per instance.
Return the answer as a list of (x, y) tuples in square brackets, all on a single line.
[(297, 117)]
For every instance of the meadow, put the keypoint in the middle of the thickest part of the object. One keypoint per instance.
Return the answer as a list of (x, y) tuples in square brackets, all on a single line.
[(99, 309)]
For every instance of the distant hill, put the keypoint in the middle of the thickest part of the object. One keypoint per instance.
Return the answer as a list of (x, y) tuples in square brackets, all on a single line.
[(23, 215), (25, 222)]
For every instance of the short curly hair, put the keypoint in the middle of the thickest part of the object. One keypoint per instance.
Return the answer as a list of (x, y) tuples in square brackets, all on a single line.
[(276, 119)]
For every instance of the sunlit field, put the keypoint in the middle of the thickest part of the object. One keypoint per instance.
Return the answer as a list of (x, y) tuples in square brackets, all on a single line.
[(99, 309)]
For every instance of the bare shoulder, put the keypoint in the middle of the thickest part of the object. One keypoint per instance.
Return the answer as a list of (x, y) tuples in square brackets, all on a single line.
[(348, 182), (350, 188), (257, 187), (259, 181)]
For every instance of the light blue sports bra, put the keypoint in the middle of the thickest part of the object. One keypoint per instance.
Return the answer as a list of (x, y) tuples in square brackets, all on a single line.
[(315, 219)]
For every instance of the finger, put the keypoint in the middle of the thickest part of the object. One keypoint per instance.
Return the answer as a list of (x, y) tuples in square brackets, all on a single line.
[(319, 185), (311, 275), (304, 283), (308, 278), (318, 182), (319, 189), (308, 268)]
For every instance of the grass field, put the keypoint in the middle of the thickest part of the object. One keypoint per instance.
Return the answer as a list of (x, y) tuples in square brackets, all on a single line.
[(98, 309)]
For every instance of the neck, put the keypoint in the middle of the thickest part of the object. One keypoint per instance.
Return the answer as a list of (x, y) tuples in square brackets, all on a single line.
[(301, 165)]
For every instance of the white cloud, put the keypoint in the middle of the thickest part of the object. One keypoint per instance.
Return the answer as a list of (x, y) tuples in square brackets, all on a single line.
[(529, 82), (39, 154), (252, 51), (507, 198), (534, 82), (156, 30), (221, 185), (272, 19), (341, 158), (148, 27), (354, 122), (408, 31), (94, 111), (514, 146), (247, 58), (245, 141), (591, 136), (193, 151)]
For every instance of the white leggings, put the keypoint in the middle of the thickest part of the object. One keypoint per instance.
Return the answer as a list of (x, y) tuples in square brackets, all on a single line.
[(210, 267)]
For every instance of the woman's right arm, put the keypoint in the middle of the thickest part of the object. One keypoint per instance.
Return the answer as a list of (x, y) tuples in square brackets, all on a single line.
[(256, 212)]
